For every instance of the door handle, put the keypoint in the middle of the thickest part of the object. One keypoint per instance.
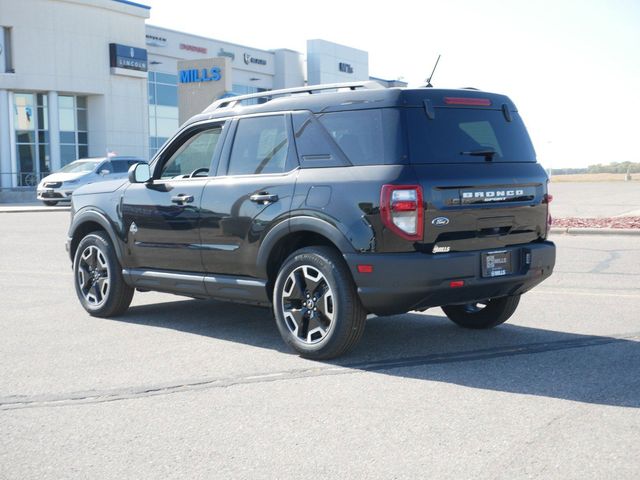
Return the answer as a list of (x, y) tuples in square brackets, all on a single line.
[(264, 198), (181, 199)]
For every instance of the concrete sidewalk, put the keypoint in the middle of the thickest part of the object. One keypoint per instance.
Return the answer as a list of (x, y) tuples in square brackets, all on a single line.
[(594, 231), (32, 207)]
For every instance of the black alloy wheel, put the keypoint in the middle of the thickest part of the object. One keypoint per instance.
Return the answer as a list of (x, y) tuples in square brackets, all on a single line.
[(98, 279), (316, 306)]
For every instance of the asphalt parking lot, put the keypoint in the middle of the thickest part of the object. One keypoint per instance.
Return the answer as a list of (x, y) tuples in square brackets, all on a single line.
[(595, 199), (181, 388)]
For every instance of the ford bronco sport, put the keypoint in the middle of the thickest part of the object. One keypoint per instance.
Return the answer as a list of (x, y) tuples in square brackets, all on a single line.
[(327, 203)]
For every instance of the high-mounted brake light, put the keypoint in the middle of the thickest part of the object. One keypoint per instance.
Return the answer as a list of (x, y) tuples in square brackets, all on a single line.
[(473, 101), (402, 210)]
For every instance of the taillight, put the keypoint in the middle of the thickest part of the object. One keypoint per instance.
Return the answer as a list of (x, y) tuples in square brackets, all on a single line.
[(548, 199), (402, 210)]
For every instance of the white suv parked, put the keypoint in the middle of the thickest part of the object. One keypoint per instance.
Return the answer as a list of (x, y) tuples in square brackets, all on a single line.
[(59, 186)]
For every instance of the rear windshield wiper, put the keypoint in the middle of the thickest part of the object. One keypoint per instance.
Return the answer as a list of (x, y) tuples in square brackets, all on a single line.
[(487, 154)]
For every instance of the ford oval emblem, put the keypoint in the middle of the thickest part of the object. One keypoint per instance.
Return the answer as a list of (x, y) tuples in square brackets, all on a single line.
[(440, 221)]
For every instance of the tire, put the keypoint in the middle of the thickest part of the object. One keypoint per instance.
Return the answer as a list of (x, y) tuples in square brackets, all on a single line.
[(482, 315), (50, 203), (316, 306), (98, 277)]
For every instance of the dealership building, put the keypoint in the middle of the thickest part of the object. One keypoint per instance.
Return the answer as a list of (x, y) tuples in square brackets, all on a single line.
[(85, 78)]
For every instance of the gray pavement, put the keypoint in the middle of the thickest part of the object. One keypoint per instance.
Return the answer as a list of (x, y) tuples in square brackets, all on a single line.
[(180, 388), (595, 199)]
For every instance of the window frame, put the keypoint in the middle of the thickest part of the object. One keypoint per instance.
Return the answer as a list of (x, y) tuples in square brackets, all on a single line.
[(178, 140), (292, 154)]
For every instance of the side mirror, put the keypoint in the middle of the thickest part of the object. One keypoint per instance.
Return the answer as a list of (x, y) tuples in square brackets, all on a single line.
[(139, 173), (104, 172)]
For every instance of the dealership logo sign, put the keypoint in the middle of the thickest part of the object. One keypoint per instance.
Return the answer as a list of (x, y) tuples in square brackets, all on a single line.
[(224, 53), (192, 48), (156, 40), (345, 67), (249, 59), (197, 75), (127, 57)]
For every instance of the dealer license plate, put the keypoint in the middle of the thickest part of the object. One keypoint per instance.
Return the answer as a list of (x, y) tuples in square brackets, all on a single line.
[(496, 264)]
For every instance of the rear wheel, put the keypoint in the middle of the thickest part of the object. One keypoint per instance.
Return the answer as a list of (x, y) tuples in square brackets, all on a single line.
[(50, 203), (486, 314), (315, 304), (98, 277)]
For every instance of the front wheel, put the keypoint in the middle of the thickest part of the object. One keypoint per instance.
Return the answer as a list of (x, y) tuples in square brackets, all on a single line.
[(481, 315), (50, 203), (98, 277), (315, 303)]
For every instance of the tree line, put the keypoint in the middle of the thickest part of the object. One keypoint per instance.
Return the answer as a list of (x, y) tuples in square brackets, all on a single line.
[(615, 167)]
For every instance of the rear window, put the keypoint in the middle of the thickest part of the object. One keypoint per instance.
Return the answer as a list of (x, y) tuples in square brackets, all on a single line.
[(455, 133)]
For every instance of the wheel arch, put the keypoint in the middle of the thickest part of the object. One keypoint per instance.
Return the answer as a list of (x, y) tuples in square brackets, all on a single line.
[(291, 235), (87, 222)]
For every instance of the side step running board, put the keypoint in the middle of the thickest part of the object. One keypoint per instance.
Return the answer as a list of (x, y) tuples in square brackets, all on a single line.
[(224, 287)]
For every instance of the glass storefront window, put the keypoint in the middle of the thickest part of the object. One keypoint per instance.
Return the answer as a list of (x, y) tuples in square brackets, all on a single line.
[(166, 78), (66, 101), (67, 120), (163, 109), (31, 135), (31, 125), (67, 154), (73, 128), (82, 119), (166, 95), (246, 89), (166, 127), (23, 118)]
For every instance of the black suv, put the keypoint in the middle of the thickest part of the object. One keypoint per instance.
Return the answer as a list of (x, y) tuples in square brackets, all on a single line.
[(328, 203)]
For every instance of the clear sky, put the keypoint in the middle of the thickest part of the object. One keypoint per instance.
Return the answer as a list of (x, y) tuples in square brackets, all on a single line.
[(571, 67)]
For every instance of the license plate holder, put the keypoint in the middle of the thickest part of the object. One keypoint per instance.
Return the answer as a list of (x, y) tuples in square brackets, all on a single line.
[(497, 264)]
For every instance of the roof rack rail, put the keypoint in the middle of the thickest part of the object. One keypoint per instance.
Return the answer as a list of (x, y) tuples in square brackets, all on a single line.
[(231, 102)]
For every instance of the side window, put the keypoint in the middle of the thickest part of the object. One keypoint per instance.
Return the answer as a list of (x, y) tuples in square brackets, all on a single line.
[(316, 148), (195, 153), (120, 166), (260, 146), (367, 137)]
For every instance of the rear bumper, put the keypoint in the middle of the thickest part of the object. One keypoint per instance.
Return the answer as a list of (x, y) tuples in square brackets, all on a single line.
[(401, 282)]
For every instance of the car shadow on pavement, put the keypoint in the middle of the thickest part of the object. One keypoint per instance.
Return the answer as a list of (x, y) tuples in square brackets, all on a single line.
[(510, 358)]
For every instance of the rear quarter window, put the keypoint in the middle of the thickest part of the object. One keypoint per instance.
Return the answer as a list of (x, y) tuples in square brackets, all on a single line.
[(366, 137), (453, 131)]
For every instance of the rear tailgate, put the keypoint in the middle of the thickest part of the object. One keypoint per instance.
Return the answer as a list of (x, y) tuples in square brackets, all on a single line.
[(481, 184), (482, 206)]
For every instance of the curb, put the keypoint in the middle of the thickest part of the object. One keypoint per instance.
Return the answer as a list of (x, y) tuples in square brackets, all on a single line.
[(33, 209), (595, 231)]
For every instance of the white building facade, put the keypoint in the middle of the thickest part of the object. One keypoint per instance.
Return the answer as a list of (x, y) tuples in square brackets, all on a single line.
[(252, 70), (60, 97), (83, 78)]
